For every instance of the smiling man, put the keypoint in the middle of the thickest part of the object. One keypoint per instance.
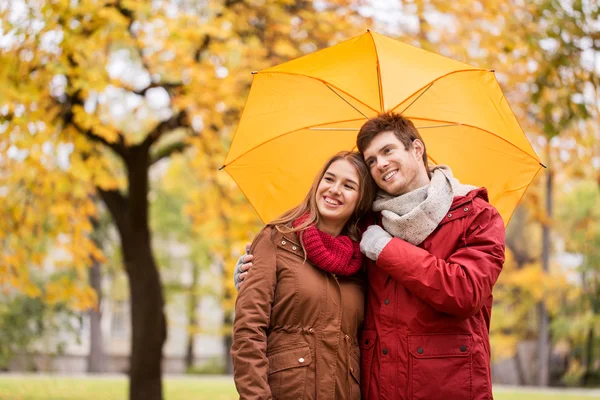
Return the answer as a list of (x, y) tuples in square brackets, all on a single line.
[(426, 333), (435, 254)]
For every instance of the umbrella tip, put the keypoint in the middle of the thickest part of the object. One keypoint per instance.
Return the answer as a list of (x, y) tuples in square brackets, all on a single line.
[(543, 165), (254, 72), (223, 166), (368, 30)]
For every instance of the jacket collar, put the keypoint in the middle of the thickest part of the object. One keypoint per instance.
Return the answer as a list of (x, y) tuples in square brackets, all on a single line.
[(288, 242)]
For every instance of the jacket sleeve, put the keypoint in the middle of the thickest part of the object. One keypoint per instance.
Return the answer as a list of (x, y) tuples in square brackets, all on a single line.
[(252, 317), (461, 284)]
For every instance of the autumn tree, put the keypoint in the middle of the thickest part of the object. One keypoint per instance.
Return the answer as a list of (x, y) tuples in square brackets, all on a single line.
[(97, 92)]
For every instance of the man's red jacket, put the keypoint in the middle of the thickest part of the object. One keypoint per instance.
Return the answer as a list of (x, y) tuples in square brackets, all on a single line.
[(426, 332)]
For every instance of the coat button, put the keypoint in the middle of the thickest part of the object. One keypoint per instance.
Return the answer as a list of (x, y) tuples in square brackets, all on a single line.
[(466, 209), (449, 215), (301, 360), (283, 242), (463, 348), (346, 338), (387, 301), (420, 350), (311, 330), (384, 351), (351, 369), (294, 248)]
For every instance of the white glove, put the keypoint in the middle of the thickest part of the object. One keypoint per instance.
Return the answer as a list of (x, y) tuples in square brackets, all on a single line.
[(238, 271), (373, 241)]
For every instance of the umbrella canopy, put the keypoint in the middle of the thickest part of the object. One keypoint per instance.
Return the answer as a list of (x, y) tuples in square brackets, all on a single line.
[(298, 114)]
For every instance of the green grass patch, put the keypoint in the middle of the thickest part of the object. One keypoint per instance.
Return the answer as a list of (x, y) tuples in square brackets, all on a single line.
[(175, 388)]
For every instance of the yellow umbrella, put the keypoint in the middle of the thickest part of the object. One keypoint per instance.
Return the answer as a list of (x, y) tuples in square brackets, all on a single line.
[(301, 112)]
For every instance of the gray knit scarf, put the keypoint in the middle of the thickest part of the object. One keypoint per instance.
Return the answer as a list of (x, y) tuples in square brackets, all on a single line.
[(414, 215)]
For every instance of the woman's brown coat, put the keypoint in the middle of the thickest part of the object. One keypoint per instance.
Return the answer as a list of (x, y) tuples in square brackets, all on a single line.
[(295, 330)]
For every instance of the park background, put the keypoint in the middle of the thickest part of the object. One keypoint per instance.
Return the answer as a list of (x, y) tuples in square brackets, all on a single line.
[(119, 233)]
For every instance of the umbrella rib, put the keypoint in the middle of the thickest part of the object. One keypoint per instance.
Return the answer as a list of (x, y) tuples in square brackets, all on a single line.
[(347, 102), (284, 134), (245, 195), (437, 126), (413, 102), (432, 159), (334, 129), (357, 129), (522, 194), (378, 74), (450, 123), (320, 80), (437, 79)]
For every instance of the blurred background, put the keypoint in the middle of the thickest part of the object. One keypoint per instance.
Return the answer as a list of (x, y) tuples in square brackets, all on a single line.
[(119, 234)]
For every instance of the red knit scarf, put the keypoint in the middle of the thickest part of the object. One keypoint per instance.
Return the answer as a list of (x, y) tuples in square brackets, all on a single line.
[(338, 255)]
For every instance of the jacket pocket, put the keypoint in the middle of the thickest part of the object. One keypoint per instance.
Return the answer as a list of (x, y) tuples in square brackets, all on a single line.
[(367, 347), (287, 372), (440, 364)]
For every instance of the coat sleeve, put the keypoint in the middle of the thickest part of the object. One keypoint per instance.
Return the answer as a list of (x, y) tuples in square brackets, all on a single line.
[(252, 317), (460, 285)]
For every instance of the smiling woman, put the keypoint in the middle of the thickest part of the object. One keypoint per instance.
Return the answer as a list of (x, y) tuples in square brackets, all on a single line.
[(298, 312)]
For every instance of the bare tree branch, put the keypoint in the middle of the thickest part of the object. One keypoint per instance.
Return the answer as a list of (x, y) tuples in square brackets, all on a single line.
[(203, 47), (178, 120), (73, 99), (168, 150), (114, 146), (169, 87)]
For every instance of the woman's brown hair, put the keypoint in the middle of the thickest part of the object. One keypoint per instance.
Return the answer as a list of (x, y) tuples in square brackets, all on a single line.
[(366, 187)]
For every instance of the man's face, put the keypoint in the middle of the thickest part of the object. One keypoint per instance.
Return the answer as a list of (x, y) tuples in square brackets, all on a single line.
[(395, 170)]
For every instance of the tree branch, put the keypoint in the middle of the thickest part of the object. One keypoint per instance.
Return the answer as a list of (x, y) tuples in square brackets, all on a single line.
[(169, 87), (116, 147), (178, 120), (69, 119), (129, 14), (168, 150), (203, 47), (116, 203)]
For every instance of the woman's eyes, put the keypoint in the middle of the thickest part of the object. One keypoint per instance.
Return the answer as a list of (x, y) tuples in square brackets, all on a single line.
[(350, 187)]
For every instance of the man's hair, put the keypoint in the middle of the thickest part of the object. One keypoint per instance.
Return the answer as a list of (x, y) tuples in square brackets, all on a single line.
[(402, 127)]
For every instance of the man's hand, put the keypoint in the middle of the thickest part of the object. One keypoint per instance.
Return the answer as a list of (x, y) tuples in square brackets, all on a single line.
[(241, 268), (373, 241)]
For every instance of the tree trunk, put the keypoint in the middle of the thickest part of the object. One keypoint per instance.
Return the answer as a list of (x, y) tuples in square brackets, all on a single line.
[(544, 344), (589, 357), (96, 354), (193, 318), (228, 341), (148, 324)]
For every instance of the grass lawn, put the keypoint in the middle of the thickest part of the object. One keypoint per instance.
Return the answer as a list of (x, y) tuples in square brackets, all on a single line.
[(194, 388)]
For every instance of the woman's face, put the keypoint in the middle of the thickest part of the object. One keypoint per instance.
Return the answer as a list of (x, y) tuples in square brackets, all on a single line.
[(338, 192)]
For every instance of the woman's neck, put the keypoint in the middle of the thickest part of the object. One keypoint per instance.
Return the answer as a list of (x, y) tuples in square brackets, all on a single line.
[(330, 228)]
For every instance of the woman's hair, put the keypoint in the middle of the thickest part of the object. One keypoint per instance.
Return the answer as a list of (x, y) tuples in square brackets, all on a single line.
[(366, 189)]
